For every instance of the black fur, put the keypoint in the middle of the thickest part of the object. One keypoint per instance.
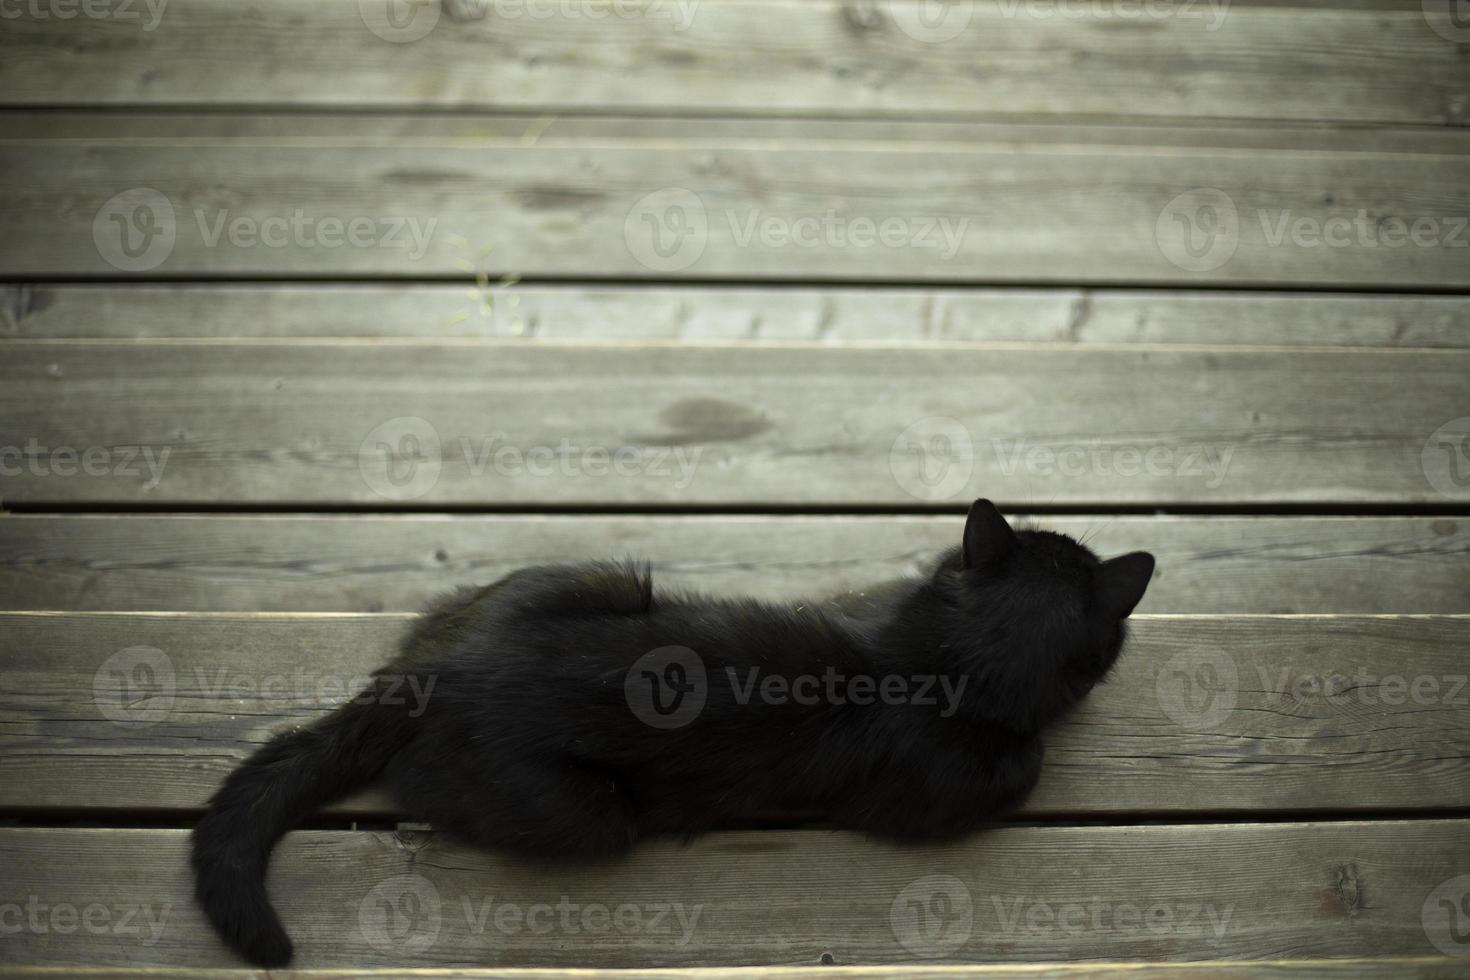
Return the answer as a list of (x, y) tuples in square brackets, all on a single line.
[(529, 741)]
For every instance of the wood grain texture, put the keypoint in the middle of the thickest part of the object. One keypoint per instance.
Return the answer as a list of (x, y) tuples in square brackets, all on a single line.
[(376, 563), (502, 423), (1202, 715), (1386, 967), (836, 315), (1040, 894), (465, 196), (795, 57)]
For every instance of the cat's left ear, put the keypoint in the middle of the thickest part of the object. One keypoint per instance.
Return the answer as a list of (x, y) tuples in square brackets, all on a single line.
[(1120, 583), (987, 535)]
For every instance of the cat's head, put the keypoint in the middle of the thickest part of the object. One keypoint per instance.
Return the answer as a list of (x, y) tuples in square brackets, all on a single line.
[(1039, 619)]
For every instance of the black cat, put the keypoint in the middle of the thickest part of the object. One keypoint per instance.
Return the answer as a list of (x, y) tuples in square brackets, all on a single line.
[(572, 709)]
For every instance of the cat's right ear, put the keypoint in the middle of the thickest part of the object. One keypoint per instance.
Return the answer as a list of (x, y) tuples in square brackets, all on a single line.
[(1121, 583), (987, 535)]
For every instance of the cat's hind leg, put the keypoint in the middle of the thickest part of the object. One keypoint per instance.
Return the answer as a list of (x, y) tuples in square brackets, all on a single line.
[(950, 795), (535, 808)]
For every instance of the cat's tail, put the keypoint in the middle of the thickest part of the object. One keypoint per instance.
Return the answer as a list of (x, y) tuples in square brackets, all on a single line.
[(284, 782)]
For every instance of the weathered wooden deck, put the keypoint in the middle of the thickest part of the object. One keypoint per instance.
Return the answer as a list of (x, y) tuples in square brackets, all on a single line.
[(309, 311)]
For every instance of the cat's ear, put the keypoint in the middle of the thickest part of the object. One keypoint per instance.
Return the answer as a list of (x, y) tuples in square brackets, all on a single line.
[(1120, 583), (987, 535)]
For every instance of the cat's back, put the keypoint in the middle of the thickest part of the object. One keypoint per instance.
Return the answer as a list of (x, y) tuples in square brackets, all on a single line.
[(608, 614)]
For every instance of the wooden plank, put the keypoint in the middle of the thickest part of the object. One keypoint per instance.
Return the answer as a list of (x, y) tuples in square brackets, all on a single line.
[(1386, 967), (730, 314), (1016, 895), (1213, 714), (364, 563), (300, 195), (480, 423), (1381, 62)]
